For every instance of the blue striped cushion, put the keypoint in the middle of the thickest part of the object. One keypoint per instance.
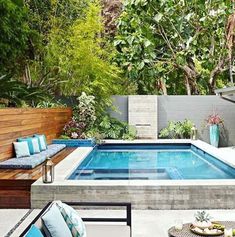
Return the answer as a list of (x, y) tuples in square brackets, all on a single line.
[(72, 219)]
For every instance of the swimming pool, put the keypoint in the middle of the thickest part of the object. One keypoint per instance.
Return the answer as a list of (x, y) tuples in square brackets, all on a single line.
[(151, 162)]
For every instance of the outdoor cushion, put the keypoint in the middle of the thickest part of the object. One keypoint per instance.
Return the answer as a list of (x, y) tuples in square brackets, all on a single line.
[(21, 149), (34, 232), (72, 219), (32, 161), (42, 141), (36, 148), (29, 142), (54, 224), (95, 230)]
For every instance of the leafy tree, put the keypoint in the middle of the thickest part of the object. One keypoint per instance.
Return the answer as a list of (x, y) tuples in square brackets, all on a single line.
[(166, 44), (14, 33), (44, 18), (84, 58)]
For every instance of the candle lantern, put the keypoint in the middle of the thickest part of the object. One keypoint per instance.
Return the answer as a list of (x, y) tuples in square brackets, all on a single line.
[(194, 133), (48, 171)]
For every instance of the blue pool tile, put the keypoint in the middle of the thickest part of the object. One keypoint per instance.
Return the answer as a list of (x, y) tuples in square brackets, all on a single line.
[(151, 161), (75, 142)]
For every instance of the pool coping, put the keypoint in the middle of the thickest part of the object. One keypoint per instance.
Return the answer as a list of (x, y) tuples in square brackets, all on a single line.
[(64, 169)]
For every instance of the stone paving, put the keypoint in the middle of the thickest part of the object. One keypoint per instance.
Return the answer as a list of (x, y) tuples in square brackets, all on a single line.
[(147, 223)]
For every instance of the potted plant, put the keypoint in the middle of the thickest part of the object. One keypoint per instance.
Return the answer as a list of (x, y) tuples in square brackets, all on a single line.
[(202, 220), (214, 121)]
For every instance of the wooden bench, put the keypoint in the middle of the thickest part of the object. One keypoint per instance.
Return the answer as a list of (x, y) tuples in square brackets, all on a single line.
[(15, 184)]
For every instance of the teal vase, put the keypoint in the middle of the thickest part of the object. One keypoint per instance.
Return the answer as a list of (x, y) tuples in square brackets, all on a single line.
[(214, 135)]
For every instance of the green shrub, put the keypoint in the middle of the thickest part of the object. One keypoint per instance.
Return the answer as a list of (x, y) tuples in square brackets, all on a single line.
[(83, 118), (64, 137), (111, 128), (177, 130), (84, 123), (85, 110), (15, 93), (51, 104)]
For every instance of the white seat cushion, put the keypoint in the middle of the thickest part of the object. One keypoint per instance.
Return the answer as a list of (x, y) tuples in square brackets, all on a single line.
[(105, 230)]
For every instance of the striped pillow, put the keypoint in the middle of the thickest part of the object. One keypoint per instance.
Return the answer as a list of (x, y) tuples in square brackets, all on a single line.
[(72, 219)]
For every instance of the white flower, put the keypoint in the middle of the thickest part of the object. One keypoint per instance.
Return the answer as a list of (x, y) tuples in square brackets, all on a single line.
[(74, 135), (214, 13)]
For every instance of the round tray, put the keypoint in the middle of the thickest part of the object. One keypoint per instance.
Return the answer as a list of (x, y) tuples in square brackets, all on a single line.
[(186, 232), (191, 227)]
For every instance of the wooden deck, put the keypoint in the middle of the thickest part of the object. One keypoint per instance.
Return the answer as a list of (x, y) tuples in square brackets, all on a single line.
[(15, 185)]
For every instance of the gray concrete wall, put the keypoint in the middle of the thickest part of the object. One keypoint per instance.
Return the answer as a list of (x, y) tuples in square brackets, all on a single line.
[(196, 108), (121, 108), (140, 111), (163, 197)]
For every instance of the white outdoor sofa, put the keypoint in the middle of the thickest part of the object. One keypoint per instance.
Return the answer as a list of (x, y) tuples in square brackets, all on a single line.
[(96, 227)]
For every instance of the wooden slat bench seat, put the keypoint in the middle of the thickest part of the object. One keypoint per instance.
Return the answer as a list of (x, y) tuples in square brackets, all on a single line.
[(15, 185), (22, 122)]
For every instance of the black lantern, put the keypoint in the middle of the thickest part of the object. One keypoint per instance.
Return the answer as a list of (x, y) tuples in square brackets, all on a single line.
[(194, 133), (48, 171)]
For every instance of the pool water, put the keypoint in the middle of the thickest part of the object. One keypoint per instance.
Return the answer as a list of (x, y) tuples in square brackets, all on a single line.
[(151, 162)]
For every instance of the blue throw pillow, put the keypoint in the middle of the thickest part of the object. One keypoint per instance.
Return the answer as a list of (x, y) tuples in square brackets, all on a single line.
[(30, 143), (34, 232), (54, 224), (41, 141)]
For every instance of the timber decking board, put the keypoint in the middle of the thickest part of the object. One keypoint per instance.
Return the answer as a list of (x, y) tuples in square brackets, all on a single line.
[(15, 185), (15, 123)]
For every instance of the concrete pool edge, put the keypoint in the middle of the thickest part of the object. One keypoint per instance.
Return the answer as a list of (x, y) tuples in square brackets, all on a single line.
[(150, 194)]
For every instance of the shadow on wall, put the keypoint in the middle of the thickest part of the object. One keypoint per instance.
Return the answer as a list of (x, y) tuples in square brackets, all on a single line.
[(195, 108)]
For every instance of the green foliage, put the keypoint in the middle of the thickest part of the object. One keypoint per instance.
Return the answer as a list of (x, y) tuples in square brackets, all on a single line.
[(173, 46), (202, 216), (85, 125), (177, 130), (2, 106), (64, 137), (84, 58), (16, 94), (45, 18), (83, 117), (14, 34), (111, 128), (85, 110), (50, 104)]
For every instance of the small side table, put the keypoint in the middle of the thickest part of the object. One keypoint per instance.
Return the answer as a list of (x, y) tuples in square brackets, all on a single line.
[(186, 232)]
